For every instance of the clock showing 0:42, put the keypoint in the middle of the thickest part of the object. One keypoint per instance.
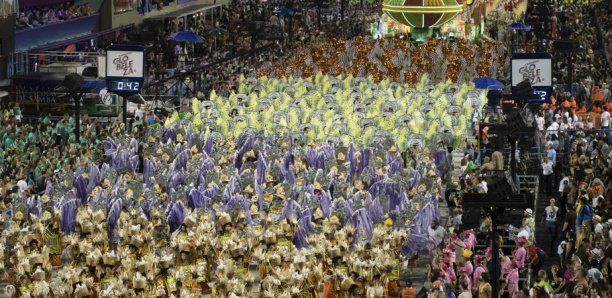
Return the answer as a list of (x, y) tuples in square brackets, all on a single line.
[(124, 69), (124, 85)]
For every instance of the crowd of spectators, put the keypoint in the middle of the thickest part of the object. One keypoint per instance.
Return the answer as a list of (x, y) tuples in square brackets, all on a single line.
[(32, 17), (576, 260), (229, 36), (31, 150), (589, 70), (576, 157)]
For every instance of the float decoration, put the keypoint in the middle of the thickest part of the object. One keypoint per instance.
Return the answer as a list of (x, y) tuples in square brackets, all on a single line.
[(422, 13)]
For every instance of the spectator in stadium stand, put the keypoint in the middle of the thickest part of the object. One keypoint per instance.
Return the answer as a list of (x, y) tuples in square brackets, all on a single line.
[(551, 221), (564, 189), (513, 279), (465, 291), (605, 118), (484, 287), (547, 174), (32, 17), (437, 233)]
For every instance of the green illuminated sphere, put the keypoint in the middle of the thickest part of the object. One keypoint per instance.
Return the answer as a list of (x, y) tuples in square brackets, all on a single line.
[(422, 13)]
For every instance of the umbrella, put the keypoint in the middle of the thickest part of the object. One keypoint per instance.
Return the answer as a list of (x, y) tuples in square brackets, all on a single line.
[(285, 11), (186, 36), (488, 83), (519, 26)]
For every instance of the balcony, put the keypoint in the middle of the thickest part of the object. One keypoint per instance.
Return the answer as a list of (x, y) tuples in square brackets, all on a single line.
[(35, 37)]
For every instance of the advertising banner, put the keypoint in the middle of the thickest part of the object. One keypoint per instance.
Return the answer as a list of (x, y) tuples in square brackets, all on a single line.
[(537, 69), (127, 64)]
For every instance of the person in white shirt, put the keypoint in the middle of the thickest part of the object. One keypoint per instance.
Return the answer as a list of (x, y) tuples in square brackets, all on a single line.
[(552, 129), (589, 124), (610, 229), (436, 233), (564, 189), (551, 221), (579, 125), (561, 250), (598, 225), (605, 119), (139, 113), (540, 122), (547, 172)]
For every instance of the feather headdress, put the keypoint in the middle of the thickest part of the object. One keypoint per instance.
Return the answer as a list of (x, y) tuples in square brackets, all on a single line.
[(68, 216), (175, 215)]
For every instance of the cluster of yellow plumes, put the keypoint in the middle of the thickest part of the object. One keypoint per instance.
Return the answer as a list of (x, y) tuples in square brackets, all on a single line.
[(327, 106)]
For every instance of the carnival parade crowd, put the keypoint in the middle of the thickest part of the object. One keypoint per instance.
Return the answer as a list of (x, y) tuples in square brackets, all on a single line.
[(318, 171)]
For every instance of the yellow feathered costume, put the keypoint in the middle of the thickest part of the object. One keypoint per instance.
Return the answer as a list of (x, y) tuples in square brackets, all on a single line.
[(339, 120)]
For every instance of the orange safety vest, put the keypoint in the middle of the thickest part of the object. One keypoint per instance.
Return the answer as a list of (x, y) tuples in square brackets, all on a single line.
[(565, 104), (597, 94), (553, 103)]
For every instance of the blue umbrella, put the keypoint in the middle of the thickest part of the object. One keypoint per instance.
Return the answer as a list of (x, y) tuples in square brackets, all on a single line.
[(519, 26), (186, 36), (487, 83), (285, 11)]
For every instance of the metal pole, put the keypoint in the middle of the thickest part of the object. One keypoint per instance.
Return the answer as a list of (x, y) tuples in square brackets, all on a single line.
[(123, 97), (571, 71), (495, 257), (512, 155), (77, 126)]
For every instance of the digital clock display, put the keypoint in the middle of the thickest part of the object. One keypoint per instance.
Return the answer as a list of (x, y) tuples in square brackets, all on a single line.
[(124, 85)]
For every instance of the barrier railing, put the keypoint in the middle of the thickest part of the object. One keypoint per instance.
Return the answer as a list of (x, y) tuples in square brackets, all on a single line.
[(35, 102), (594, 117), (24, 63)]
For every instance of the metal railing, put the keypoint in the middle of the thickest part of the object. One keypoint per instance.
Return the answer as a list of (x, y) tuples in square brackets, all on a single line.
[(177, 82), (24, 63), (36, 102)]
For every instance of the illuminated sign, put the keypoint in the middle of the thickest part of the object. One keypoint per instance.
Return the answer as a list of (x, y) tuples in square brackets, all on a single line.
[(124, 69), (125, 64), (124, 85), (537, 69)]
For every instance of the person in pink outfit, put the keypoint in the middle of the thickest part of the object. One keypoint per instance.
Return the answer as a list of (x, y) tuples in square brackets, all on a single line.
[(467, 267), (506, 265), (469, 239), (466, 273), (477, 272), (512, 279), (520, 253)]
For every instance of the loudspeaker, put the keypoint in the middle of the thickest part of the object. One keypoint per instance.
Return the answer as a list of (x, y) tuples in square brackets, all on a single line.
[(90, 71), (470, 219), (501, 186), (522, 89), (72, 82), (513, 217), (565, 45), (516, 121)]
